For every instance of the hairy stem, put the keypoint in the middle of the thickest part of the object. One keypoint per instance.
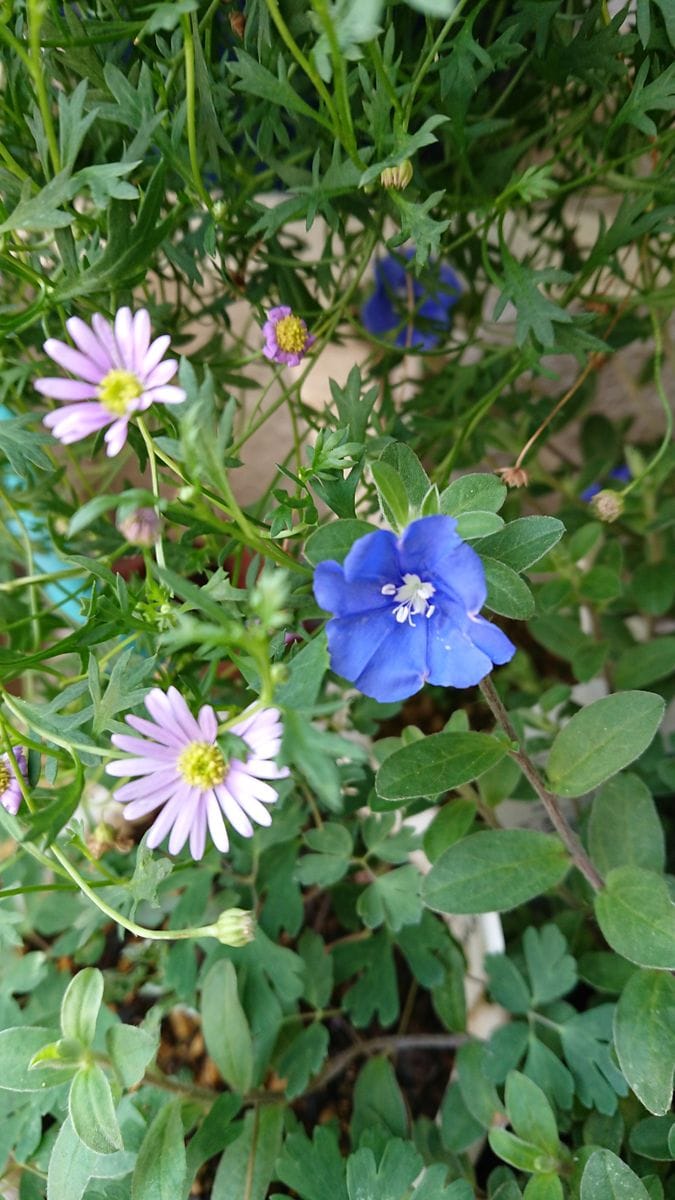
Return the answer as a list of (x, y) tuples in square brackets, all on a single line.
[(550, 801)]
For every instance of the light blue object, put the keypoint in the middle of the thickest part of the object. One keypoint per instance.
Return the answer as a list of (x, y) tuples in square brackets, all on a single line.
[(63, 593)]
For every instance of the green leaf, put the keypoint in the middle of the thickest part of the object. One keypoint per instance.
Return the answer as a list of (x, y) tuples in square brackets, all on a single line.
[(473, 492), (131, 1050), (376, 991), (378, 1103), (72, 1165), (81, 1004), (450, 824), (624, 827), (303, 1058), (507, 593), (436, 764), (393, 898), (459, 1127), (530, 1113), (494, 871), (644, 1037), (586, 1042), (536, 314), (305, 674), (544, 1187), (335, 540), (637, 917), (522, 543), (478, 1092), (606, 1177), (247, 1165), (392, 495), (409, 470), (92, 1112), (315, 1170), (161, 1164), (417, 226), (654, 1137), (399, 1165), (646, 663), (507, 985), (18, 1046), (479, 524), (601, 739), (226, 1030), (520, 1154), (551, 969), (433, 8), (332, 858)]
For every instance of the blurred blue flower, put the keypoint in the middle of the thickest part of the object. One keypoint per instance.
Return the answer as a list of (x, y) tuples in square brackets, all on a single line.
[(620, 474), (420, 312), (406, 611)]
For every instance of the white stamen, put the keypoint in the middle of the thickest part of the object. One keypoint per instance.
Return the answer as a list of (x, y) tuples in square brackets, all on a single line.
[(413, 598)]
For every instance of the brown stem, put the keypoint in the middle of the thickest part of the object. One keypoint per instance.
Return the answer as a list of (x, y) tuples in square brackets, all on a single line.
[(550, 801), (386, 1045)]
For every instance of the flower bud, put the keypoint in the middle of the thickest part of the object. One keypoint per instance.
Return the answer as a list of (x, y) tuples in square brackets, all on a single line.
[(607, 505), (397, 177), (235, 927), (141, 527)]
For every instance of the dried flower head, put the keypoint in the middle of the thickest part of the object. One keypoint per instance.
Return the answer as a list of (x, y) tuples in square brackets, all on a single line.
[(514, 476), (119, 372)]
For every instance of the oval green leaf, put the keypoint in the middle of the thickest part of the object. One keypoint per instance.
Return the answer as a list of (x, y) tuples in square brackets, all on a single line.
[(226, 1030), (92, 1111), (637, 917), (606, 1177), (602, 739), (494, 871), (17, 1047), (335, 540), (523, 542), (507, 593), (624, 829), (436, 764), (81, 1004), (471, 492), (161, 1164), (644, 1037)]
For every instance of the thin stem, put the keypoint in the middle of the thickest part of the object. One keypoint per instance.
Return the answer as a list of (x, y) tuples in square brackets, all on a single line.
[(36, 10), (550, 801), (152, 460), (190, 110), (660, 391), (303, 62), (393, 1044)]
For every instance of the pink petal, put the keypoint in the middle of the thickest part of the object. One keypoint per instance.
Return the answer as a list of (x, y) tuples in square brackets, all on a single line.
[(154, 355), (242, 785), (207, 723), (71, 360), (132, 745), (166, 818), (162, 373), (183, 822), (181, 713), (144, 787), (154, 731), (238, 820), (116, 436), (106, 337), (161, 711), (198, 831), (88, 343), (256, 811), (141, 325), (168, 394), (124, 337), (65, 389), (216, 824), (264, 769), (134, 766), (136, 809)]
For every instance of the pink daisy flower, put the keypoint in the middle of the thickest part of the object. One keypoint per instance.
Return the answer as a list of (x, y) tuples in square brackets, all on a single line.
[(120, 372), (183, 772), (286, 337), (10, 791)]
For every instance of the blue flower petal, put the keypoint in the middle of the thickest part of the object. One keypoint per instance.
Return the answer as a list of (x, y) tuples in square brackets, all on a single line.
[(453, 659), (377, 314), (334, 593), (398, 668), (375, 557), (491, 640), (427, 545), (463, 578), (390, 274), (354, 641)]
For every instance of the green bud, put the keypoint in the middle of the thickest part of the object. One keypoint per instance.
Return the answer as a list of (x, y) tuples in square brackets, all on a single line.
[(235, 927)]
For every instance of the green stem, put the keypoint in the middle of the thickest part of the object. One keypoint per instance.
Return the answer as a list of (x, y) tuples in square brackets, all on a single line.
[(661, 393), (190, 107), (303, 62), (36, 13), (152, 460)]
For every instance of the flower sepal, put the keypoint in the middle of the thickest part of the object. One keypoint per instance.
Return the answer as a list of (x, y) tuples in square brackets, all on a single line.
[(234, 927)]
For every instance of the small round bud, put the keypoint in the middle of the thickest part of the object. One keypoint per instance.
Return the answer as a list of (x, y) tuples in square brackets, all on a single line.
[(235, 927), (607, 505), (141, 527), (187, 493), (219, 210), (397, 177)]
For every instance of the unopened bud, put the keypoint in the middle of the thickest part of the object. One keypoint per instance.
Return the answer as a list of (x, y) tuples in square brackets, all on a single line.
[(235, 927), (607, 505), (397, 177), (141, 527)]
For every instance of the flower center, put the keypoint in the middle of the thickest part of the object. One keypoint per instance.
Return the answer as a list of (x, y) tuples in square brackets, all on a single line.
[(202, 765), (413, 598), (118, 390), (291, 334), (5, 776)]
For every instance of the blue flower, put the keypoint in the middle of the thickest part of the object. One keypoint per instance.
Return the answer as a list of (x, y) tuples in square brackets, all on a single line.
[(406, 611), (398, 291), (620, 474)]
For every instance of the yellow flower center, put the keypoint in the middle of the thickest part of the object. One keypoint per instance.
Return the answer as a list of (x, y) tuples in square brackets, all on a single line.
[(291, 334), (117, 390), (202, 765), (5, 777)]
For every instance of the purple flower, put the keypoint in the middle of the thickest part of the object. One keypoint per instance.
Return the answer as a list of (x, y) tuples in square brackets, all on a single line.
[(286, 337), (406, 611), (183, 771), (120, 372), (400, 301), (142, 527), (10, 790), (620, 474)]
